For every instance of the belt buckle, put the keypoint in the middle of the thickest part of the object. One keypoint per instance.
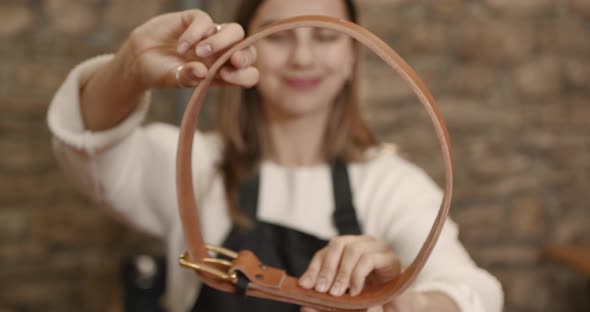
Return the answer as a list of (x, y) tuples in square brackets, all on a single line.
[(205, 266)]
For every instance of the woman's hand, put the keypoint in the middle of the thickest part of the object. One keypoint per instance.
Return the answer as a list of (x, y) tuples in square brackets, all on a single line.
[(150, 57), (157, 48), (349, 263)]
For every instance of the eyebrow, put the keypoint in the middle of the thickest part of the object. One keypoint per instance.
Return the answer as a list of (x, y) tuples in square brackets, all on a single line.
[(270, 21)]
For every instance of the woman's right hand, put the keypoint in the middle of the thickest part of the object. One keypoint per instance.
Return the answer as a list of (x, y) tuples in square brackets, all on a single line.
[(155, 50), (150, 57)]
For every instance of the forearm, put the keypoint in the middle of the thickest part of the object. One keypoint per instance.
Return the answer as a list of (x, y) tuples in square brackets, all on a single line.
[(111, 94)]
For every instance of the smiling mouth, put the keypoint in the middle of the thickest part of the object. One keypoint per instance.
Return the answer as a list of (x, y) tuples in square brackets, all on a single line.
[(302, 84)]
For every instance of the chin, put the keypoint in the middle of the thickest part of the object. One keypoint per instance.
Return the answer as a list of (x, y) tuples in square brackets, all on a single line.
[(296, 107)]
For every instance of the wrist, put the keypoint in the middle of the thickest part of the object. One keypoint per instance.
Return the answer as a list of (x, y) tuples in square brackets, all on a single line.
[(126, 69), (111, 93)]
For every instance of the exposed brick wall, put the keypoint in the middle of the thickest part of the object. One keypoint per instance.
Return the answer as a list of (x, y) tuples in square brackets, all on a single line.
[(57, 251), (512, 79)]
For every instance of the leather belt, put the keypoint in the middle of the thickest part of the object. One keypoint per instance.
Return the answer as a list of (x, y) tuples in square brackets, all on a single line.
[(222, 270)]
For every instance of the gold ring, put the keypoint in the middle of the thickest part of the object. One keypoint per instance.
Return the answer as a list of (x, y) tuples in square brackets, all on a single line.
[(178, 82)]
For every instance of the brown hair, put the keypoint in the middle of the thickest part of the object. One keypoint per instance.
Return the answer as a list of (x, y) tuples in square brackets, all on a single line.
[(240, 122)]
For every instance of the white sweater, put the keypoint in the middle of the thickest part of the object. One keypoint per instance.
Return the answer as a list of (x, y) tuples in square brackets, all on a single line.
[(130, 170)]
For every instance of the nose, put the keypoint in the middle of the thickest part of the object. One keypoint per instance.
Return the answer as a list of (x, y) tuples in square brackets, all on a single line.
[(303, 53)]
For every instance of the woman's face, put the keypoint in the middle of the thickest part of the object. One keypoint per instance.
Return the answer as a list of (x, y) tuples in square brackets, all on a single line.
[(302, 70)]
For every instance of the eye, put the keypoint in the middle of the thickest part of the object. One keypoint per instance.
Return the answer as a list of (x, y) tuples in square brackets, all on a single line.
[(326, 35), (277, 37)]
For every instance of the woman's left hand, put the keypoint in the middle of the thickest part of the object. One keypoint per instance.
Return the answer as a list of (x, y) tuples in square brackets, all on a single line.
[(350, 262)]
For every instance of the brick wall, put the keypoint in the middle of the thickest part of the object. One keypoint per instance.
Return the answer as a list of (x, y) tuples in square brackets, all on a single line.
[(512, 79)]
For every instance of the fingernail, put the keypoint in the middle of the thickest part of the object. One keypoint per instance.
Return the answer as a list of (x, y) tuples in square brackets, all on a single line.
[(305, 282), (229, 73), (182, 47), (354, 291), (337, 289), (199, 72), (241, 61), (322, 285), (204, 50)]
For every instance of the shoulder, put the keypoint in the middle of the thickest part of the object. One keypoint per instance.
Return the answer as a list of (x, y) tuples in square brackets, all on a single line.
[(385, 175), (383, 162), (390, 191)]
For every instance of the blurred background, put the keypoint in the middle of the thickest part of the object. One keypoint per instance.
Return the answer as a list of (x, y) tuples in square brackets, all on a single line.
[(512, 79)]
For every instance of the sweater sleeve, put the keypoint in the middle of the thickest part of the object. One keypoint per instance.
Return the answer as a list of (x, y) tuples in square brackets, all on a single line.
[(65, 120), (128, 169), (405, 203)]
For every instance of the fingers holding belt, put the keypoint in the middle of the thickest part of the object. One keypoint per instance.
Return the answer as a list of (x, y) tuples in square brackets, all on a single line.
[(188, 75)]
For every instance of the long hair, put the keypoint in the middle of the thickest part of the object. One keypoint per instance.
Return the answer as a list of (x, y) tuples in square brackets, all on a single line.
[(241, 124)]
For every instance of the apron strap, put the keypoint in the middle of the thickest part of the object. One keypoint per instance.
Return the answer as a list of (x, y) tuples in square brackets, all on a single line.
[(248, 197), (344, 216)]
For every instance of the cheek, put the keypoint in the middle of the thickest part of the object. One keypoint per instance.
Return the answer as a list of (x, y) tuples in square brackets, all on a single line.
[(339, 60), (269, 58)]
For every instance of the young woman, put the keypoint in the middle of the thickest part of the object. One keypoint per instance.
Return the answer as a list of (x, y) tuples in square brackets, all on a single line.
[(292, 171)]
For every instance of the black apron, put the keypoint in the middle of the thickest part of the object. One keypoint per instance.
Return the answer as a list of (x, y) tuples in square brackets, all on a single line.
[(278, 246)]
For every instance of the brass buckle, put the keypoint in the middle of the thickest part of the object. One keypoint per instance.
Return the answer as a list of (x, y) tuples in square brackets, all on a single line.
[(203, 267)]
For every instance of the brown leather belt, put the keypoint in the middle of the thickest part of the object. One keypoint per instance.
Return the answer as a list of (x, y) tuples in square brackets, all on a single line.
[(273, 283)]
